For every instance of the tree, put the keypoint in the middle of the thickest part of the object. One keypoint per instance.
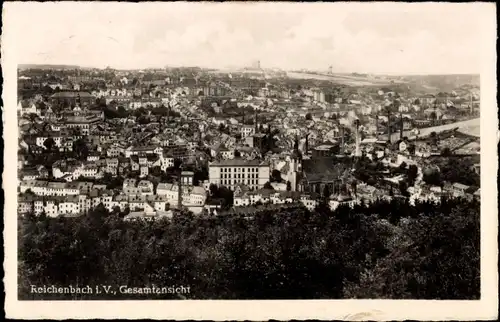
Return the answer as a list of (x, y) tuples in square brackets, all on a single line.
[(434, 138), (139, 112), (433, 116), (354, 185), (276, 176), (288, 186), (308, 116), (432, 178), (365, 252), (425, 244), (237, 154), (143, 120), (156, 171), (213, 189), (403, 188), (81, 149), (49, 144), (177, 163), (446, 152), (326, 192), (116, 210), (411, 148), (412, 174), (268, 185), (226, 194), (122, 111)]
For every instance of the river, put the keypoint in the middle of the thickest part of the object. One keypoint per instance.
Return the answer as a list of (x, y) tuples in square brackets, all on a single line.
[(469, 127)]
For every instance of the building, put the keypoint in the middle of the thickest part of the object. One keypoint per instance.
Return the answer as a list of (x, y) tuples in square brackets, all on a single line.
[(72, 99), (247, 130), (318, 95), (459, 189), (327, 149), (82, 123), (230, 173)]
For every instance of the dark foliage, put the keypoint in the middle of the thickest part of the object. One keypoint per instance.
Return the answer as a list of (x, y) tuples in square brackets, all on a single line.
[(384, 250)]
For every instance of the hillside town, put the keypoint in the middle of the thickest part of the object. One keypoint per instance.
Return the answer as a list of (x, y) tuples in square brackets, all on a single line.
[(148, 143)]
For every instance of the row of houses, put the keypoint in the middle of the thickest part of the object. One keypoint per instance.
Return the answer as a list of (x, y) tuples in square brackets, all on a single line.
[(59, 198), (309, 200), (55, 206)]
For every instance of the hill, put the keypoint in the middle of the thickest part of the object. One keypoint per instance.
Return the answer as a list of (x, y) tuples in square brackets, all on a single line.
[(48, 66)]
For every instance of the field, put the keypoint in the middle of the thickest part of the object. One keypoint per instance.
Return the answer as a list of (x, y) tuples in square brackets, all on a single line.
[(469, 127), (342, 79)]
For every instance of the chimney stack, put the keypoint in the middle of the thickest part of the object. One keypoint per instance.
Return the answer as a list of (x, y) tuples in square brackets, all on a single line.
[(179, 192), (307, 143), (358, 148), (389, 123), (471, 108), (341, 139), (401, 125), (255, 121)]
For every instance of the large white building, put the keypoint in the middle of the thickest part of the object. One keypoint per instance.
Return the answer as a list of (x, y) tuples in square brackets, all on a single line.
[(230, 173), (247, 130)]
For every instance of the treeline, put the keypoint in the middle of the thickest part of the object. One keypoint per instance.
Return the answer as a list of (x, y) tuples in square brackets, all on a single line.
[(121, 112), (453, 169), (385, 250)]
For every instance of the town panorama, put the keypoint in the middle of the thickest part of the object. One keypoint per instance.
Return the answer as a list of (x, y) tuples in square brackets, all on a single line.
[(250, 183)]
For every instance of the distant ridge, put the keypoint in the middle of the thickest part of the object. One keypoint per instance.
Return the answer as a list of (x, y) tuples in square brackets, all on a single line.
[(40, 66)]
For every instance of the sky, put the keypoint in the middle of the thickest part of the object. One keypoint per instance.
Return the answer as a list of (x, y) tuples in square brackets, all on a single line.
[(379, 38)]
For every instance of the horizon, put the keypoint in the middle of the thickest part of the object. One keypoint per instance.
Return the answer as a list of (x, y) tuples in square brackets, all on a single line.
[(35, 66)]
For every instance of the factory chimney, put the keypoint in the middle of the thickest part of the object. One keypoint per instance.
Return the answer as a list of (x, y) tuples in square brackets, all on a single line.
[(307, 143), (401, 125), (471, 108), (255, 121), (341, 139), (389, 123), (358, 148), (179, 190)]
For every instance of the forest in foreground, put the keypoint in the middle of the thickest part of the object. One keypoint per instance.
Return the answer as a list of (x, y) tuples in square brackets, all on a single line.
[(385, 250)]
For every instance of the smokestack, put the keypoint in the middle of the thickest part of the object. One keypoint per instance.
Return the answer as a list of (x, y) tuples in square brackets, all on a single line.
[(341, 139), (471, 108), (401, 125), (389, 123), (255, 121), (358, 148), (179, 192)]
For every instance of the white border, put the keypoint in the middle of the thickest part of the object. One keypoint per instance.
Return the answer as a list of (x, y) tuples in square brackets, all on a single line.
[(483, 309)]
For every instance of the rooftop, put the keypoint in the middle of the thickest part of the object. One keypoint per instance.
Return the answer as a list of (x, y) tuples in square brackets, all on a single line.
[(238, 163), (71, 94)]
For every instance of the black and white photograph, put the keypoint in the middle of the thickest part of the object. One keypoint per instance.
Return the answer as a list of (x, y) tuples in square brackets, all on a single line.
[(251, 151)]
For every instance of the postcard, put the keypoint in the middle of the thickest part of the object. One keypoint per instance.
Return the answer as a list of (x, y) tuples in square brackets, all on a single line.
[(250, 161)]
